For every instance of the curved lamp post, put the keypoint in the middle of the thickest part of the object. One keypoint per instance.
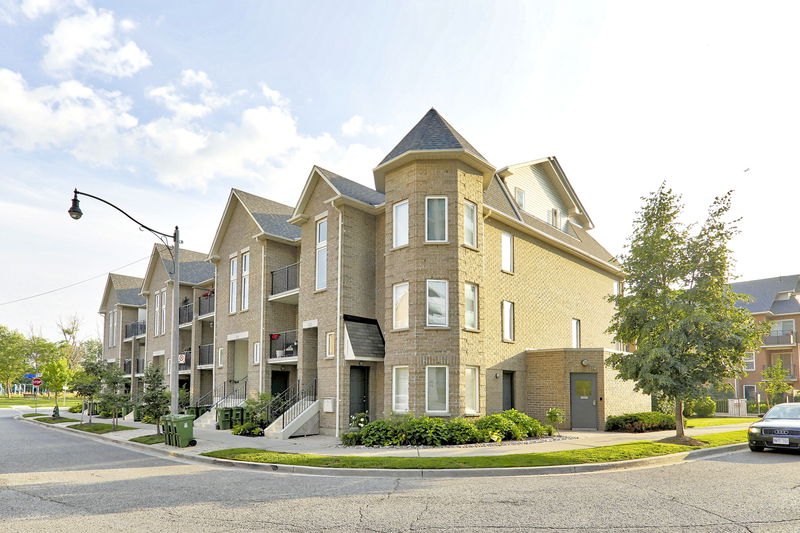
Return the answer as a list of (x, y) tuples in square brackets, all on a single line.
[(76, 213)]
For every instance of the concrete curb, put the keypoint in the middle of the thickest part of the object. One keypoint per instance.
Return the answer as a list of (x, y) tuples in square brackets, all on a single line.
[(661, 460)]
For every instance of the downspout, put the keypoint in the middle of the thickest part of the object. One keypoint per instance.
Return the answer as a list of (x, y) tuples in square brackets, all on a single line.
[(338, 316), (262, 291)]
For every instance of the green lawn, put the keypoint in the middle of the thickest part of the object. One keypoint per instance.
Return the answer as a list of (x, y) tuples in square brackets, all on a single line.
[(29, 415), (718, 421), (41, 402), (618, 452), (52, 420), (149, 439), (99, 428)]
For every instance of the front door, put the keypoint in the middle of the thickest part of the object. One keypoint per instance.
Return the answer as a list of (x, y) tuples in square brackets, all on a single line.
[(583, 400), (280, 382), (359, 389), (240, 359), (508, 390)]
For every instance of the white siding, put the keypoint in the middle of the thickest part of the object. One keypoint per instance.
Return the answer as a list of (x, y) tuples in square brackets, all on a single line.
[(540, 195)]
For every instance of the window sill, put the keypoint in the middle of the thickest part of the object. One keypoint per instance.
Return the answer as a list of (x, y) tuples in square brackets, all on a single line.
[(329, 357), (509, 272), (437, 328), (470, 247), (436, 242), (509, 341), (474, 415), (437, 413), (401, 247), (399, 330), (317, 291), (472, 330)]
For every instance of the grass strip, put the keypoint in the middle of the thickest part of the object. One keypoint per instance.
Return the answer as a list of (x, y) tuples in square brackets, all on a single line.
[(55, 420), (718, 421), (149, 439), (42, 402), (724, 438), (30, 415), (99, 429)]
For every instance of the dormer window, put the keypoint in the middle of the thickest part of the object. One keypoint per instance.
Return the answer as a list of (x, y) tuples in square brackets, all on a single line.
[(784, 295), (554, 218), (519, 197)]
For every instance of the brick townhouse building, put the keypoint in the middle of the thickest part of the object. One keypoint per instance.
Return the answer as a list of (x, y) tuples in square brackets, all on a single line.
[(451, 288)]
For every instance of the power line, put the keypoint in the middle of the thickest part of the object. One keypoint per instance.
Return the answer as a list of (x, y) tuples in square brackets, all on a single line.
[(73, 284)]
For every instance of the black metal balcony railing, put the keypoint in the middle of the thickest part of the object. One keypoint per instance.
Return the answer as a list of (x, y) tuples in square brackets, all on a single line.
[(140, 366), (185, 360), (185, 314), (206, 356), (286, 278), (126, 367), (283, 344), (134, 329), (786, 337), (205, 304)]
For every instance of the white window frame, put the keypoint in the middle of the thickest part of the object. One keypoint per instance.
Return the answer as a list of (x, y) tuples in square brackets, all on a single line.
[(233, 264), (328, 336), (156, 312), (163, 312), (446, 303), (554, 217), (750, 362), (245, 281), (395, 405), (395, 288), (220, 357), (399, 238), (446, 202), (256, 353), (476, 388), (507, 252), (467, 287), (446, 389), (616, 288), (519, 193), (507, 309), (321, 246), (470, 207), (576, 333)]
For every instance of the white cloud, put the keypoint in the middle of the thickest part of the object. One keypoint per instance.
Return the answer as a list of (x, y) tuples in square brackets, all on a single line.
[(34, 9), (170, 99), (273, 96), (191, 77), (89, 42), (356, 125)]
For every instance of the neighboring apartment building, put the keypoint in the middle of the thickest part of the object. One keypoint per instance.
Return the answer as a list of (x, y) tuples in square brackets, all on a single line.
[(123, 310), (450, 289), (776, 300)]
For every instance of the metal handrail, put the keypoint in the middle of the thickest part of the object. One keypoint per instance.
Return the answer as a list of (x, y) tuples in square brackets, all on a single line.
[(134, 329), (308, 395), (231, 390), (286, 343), (206, 356), (185, 314), (205, 304), (285, 279), (290, 403)]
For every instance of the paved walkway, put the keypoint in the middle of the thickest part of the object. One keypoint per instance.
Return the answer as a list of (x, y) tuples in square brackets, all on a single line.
[(210, 440)]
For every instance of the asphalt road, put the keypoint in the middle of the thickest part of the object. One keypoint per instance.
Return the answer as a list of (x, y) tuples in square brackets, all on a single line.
[(53, 481)]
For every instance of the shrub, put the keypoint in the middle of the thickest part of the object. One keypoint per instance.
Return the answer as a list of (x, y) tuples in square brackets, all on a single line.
[(351, 438), (383, 432), (555, 416), (664, 405), (461, 431), (640, 422), (248, 429), (359, 420), (688, 407), (549, 430), (423, 431), (705, 406), (529, 427), (75, 409), (499, 426)]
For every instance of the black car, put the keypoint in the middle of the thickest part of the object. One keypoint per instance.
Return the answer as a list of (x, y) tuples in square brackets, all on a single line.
[(780, 428)]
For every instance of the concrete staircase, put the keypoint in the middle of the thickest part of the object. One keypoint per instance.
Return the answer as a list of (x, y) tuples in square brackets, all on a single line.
[(288, 425)]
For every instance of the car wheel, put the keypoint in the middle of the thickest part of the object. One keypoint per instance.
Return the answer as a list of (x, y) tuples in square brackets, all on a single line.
[(756, 448)]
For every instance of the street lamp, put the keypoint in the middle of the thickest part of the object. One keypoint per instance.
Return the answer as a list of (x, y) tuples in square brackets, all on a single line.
[(76, 213)]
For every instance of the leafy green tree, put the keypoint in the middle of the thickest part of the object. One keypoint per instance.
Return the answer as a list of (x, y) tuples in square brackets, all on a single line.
[(155, 401), (13, 359), (89, 380), (113, 394), (56, 375), (774, 381), (91, 349), (678, 310)]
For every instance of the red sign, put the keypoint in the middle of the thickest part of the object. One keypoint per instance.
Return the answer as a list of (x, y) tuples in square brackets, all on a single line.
[(36, 382)]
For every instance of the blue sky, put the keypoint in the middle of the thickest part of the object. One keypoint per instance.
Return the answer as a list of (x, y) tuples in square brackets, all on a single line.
[(162, 107)]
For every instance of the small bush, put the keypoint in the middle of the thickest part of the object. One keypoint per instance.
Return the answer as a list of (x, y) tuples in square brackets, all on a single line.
[(382, 432), (350, 438), (461, 431), (359, 420), (75, 409), (529, 427), (423, 431), (502, 426), (549, 430), (688, 407), (705, 407), (248, 429), (640, 422)]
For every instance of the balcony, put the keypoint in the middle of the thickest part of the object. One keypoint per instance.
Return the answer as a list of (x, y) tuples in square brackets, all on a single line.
[(205, 304), (283, 346), (206, 357), (286, 284), (792, 368), (185, 315), (185, 361), (126, 367), (783, 339), (140, 364), (134, 329)]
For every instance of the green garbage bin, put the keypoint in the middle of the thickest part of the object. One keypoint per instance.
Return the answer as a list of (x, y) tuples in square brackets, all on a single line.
[(237, 416), (191, 410), (224, 417), (203, 409), (169, 429), (183, 428)]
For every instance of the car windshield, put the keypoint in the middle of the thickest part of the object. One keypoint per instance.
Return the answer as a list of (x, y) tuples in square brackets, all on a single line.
[(784, 411)]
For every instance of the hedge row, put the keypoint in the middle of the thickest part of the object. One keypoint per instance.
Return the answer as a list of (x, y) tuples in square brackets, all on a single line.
[(639, 422), (408, 430)]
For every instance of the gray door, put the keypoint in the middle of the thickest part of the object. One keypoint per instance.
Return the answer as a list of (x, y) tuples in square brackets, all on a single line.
[(359, 389), (583, 400), (508, 390)]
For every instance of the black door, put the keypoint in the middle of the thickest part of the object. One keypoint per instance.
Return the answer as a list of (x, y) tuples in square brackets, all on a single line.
[(508, 390), (359, 389), (280, 382)]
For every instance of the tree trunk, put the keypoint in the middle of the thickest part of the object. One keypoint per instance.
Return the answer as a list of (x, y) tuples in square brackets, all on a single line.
[(679, 419)]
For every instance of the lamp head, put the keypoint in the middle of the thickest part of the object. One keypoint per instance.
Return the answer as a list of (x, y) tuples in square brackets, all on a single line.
[(75, 211)]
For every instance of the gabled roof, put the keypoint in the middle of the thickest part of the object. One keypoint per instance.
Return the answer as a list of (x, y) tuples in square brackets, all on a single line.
[(764, 292), (432, 138), (195, 268), (270, 218), (126, 289), (342, 188), (365, 336)]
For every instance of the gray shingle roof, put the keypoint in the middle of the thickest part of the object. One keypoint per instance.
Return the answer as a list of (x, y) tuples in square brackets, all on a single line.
[(127, 289), (432, 132), (764, 291), (495, 197), (130, 297), (352, 189), (194, 266), (365, 336), (271, 216)]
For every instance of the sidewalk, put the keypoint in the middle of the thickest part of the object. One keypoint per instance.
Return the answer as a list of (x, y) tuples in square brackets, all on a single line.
[(212, 440)]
